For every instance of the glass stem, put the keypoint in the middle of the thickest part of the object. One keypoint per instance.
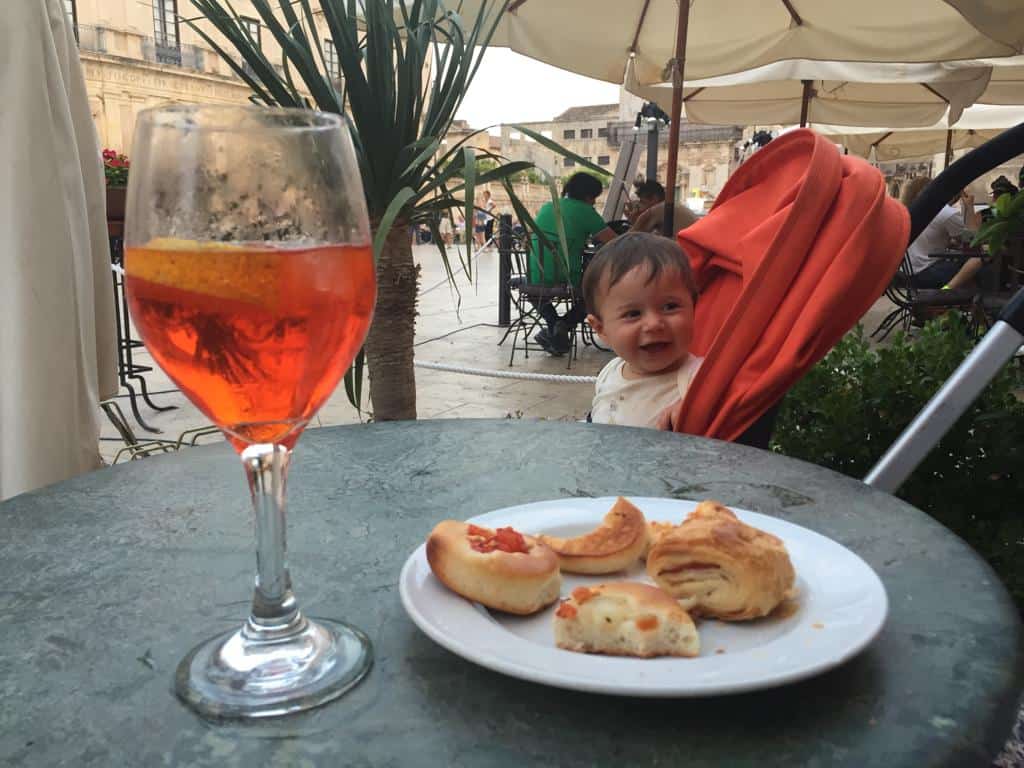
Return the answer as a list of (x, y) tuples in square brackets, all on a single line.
[(275, 612)]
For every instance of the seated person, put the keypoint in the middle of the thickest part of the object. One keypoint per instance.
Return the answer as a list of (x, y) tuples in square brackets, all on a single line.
[(651, 197), (641, 294), (580, 221), (948, 224), (1003, 186), (965, 278)]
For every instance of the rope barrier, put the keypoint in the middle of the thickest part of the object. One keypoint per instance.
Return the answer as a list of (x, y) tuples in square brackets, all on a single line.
[(563, 379)]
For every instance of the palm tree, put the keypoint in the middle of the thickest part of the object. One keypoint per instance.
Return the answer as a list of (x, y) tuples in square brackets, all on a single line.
[(405, 66)]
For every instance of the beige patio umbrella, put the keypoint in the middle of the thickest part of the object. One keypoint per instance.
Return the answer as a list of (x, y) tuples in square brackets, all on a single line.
[(840, 93), (977, 125), (997, 108), (597, 38)]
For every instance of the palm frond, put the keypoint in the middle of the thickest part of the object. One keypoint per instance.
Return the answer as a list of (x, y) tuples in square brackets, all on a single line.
[(397, 115)]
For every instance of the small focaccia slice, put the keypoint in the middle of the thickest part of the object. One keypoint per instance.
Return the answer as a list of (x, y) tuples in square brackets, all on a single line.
[(625, 619), (501, 569), (721, 567), (614, 545)]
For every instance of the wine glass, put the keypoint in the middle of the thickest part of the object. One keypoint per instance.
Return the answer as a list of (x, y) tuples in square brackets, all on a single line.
[(250, 278)]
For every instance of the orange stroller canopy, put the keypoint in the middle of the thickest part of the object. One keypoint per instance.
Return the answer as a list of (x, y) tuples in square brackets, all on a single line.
[(799, 244)]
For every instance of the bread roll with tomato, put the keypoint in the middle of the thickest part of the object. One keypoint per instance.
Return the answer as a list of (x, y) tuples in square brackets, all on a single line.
[(625, 619), (501, 569)]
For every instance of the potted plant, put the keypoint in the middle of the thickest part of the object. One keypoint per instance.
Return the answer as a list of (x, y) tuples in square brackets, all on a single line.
[(405, 67), (115, 169)]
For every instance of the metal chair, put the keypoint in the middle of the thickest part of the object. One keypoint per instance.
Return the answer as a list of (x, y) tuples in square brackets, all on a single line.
[(140, 449), (527, 297), (127, 368), (133, 447), (915, 306)]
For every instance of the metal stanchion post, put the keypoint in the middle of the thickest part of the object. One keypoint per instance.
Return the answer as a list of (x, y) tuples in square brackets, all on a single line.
[(504, 269), (652, 150)]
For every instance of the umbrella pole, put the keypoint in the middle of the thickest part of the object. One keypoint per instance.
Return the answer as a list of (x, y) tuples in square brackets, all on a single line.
[(805, 102), (949, 148), (678, 69)]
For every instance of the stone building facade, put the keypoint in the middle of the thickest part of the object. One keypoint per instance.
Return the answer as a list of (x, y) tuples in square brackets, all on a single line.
[(138, 54), (707, 153)]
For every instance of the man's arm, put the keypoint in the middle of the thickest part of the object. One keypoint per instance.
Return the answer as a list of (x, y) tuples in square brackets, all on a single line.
[(650, 220)]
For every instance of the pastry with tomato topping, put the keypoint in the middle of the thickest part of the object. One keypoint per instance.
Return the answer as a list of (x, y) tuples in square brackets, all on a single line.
[(720, 567), (625, 619), (500, 568), (615, 545)]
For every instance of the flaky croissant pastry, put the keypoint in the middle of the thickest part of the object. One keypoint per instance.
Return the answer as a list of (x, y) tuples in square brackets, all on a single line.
[(655, 530), (722, 568)]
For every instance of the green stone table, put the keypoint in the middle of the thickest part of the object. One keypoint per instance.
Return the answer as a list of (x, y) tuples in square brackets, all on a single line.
[(108, 579)]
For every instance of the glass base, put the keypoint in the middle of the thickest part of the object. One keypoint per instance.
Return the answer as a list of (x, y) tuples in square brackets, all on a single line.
[(238, 675)]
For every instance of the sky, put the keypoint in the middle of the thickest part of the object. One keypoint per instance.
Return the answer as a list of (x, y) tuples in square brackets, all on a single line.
[(510, 88)]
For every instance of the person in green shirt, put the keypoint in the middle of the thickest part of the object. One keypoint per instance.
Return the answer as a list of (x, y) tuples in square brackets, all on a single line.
[(581, 222)]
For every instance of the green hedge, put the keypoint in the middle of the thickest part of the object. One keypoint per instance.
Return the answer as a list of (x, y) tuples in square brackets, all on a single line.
[(852, 406)]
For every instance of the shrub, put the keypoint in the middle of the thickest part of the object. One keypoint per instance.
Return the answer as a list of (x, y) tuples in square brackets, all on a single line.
[(853, 405)]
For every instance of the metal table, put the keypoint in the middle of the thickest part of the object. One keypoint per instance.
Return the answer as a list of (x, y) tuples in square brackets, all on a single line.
[(111, 577)]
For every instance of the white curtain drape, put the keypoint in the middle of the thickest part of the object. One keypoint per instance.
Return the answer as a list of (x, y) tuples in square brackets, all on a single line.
[(57, 332)]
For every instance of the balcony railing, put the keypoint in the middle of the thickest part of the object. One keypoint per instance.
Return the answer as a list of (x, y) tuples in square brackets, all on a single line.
[(101, 39), (92, 38), (167, 53)]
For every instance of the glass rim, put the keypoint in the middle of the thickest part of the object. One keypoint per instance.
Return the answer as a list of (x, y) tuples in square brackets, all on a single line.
[(175, 116)]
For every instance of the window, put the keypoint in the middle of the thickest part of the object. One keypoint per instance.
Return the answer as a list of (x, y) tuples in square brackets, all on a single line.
[(602, 133), (71, 11), (586, 133), (603, 159), (569, 133), (165, 31), (331, 59), (252, 26), (568, 162)]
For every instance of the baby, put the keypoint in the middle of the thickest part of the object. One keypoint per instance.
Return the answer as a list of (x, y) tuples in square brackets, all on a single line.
[(640, 294)]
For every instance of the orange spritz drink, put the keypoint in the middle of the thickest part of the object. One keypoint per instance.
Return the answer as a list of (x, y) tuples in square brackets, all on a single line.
[(257, 336)]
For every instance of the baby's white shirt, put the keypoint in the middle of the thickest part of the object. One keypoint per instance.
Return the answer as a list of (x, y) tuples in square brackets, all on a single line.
[(637, 402)]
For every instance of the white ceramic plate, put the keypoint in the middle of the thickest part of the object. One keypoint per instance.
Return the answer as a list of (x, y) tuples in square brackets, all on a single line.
[(840, 609)]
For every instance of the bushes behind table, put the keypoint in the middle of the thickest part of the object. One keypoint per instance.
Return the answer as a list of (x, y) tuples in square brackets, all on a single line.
[(852, 406)]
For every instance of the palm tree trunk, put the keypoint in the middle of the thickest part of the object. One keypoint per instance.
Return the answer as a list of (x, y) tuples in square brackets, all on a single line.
[(389, 342)]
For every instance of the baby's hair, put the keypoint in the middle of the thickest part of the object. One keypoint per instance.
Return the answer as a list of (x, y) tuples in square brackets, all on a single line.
[(626, 253)]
